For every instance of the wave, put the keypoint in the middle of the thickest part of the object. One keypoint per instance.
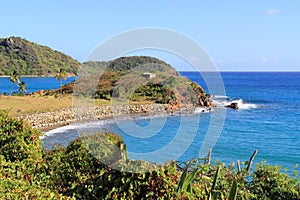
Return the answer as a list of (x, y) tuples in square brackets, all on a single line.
[(80, 126), (223, 101), (243, 105), (57, 130), (219, 97), (202, 110)]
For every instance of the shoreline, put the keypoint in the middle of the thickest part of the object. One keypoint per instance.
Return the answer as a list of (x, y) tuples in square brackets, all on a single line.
[(47, 121)]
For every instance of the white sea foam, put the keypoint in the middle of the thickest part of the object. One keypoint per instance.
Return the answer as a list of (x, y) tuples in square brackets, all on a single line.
[(202, 110), (243, 105), (219, 97), (79, 126), (57, 130), (223, 101)]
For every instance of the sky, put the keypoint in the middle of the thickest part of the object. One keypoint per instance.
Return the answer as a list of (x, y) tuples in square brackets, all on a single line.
[(253, 35)]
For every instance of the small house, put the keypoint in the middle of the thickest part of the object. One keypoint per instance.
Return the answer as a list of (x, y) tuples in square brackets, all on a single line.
[(148, 75)]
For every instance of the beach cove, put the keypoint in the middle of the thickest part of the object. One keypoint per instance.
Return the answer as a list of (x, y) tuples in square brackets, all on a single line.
[(268, 123)]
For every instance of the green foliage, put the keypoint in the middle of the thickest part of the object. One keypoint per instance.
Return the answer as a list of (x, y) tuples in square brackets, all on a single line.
[(14, 78), (87, 174), (60, 75), (16, 182), (20, 161), (126, 64), (22, 87), (96, 166), (18, 141), (156, 184), (185, 182), (269, 183), (153, 92), (122, 80), (233, 191), (93, 67), (28, 58)]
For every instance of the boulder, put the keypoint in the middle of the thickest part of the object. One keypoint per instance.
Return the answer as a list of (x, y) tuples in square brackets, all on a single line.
[(233, 106)]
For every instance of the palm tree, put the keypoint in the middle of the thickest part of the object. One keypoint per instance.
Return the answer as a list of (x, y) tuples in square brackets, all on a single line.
[(61, 74), (22, 87), (14, 78)]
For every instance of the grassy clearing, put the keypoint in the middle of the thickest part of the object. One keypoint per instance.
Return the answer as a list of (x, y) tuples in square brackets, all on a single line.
[(22, 105)]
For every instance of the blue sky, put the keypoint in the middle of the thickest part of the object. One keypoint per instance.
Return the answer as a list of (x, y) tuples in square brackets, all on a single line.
[(253, 35)]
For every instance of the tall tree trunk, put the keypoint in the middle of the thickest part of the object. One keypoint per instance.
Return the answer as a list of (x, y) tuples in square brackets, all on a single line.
[(60, 88), (11, 89)]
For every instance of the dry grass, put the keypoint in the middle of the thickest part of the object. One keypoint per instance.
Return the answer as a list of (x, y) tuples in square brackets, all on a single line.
[(22, 105)]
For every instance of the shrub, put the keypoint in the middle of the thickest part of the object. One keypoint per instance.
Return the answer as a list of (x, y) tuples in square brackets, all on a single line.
[(269, 183), (18, 141), (20, 160)]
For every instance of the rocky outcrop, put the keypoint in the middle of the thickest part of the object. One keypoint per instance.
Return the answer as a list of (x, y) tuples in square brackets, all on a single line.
[(173, 105), (233, 106), (7, 42), (202, 97)]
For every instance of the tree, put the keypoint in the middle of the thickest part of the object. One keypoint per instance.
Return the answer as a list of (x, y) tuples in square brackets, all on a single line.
[(14, 78), (61, 74), (22, 87)]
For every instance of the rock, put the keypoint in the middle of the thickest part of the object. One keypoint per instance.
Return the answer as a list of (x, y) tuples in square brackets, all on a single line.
[(8, 42), (233, 106), (173, 104)]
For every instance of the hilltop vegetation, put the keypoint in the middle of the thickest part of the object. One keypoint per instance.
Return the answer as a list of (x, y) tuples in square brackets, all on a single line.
[(126, 64), (28, 58), (127, 78)]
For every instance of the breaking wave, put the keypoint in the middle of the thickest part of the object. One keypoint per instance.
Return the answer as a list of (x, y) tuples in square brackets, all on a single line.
[(223, 101)]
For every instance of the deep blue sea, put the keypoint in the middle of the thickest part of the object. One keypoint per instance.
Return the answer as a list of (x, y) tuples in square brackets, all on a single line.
[(33, 84), (269, 122)]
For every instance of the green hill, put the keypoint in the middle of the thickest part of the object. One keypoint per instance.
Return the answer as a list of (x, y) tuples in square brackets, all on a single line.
[(28, 58), (126, 64), (126, 78)]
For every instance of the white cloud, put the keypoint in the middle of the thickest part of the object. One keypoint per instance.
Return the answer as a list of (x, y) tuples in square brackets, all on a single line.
[(264, 59), (273, 12)]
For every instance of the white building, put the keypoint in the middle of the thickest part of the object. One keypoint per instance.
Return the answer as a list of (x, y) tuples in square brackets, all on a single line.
[(148, 75)]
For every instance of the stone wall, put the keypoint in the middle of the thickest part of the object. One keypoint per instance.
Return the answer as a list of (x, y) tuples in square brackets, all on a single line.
[(65, 116)]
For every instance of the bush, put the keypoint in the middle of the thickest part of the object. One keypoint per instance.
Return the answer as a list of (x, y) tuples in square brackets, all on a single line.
[(269, 183), (20, 161), (18, 141)]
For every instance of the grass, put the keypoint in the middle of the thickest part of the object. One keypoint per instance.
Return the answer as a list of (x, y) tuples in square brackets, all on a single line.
[(22, 105)]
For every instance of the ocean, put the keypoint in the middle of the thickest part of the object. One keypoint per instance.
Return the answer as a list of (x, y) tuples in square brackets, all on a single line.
[(33, 84), (268, 122)]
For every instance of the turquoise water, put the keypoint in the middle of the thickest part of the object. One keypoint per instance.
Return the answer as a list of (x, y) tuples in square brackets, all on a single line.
[(269, 123), (33, 84)]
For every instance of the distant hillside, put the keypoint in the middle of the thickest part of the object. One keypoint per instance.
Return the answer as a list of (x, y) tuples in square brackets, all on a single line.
[(28, 58), (124, 79), (126, 64)]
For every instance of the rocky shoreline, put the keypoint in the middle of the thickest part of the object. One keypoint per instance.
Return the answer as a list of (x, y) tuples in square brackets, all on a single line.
[(50, 120)]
